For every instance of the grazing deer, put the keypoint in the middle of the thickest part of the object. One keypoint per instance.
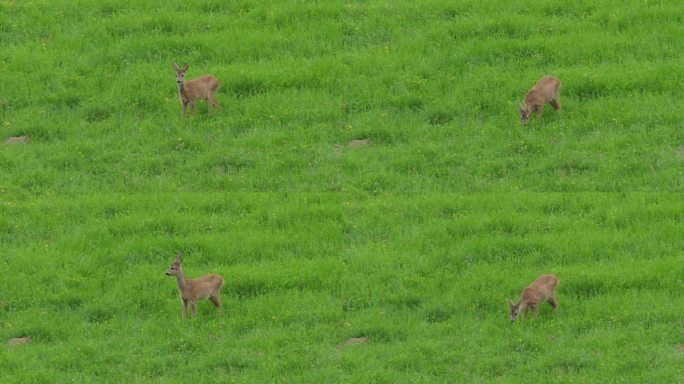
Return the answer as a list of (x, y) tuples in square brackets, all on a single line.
[(545, 91), (192, 290), (542, 289), (200, 88)]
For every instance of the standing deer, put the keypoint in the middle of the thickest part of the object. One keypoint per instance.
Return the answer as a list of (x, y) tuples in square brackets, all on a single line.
[(192, 290), (545, 91), (542, 289), (200, 88)]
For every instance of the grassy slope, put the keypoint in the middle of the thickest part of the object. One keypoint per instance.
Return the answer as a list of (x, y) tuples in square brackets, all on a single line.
[(415, 241)]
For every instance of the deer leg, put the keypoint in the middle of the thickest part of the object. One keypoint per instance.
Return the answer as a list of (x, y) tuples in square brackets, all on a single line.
[(185, 308), (212, 102), (216, 300), (554, 302), (184, 106), (193, 104), (193, 305), (555, 104)]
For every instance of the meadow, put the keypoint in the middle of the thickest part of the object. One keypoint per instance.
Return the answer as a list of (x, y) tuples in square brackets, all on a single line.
[(414, 241)]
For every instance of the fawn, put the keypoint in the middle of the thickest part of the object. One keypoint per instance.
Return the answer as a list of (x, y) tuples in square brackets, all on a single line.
[(200, 88), (192, 290), (542, 289), (545, 91)]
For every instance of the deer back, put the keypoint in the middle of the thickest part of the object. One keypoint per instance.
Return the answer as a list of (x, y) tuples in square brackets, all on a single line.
[(204, 286), (200, 88), (541, 289), (543, 92)]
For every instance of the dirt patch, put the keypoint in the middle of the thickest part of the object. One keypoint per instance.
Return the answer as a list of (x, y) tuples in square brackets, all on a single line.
[(353, 341), (16, 139), (354, 144), (19, 340), (359, 143)]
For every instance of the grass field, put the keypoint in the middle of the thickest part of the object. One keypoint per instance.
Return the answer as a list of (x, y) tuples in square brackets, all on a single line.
[(414, 241)]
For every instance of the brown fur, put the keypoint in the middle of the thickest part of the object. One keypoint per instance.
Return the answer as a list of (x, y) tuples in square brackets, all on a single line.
[(542, 289), (192, 290), (201, 88), (545, 91)]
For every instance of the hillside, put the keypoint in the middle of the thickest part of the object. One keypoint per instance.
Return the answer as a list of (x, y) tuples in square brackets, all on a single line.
[(366, 176)]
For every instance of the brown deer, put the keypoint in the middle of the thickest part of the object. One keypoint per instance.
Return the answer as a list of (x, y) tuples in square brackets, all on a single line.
[(542, 289), (192, 290), (201, 88), (545, 91)]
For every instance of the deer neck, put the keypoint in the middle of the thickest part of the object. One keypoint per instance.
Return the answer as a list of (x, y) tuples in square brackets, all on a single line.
[(532, 101), (181, 88), (182, 283)]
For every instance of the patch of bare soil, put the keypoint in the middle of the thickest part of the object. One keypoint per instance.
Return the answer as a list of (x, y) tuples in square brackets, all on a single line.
[(354, 144), (353, 341), (19, 340), (17, 139), (359, 143)]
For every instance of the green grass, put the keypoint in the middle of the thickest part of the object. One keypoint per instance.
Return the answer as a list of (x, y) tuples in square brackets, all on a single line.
[(415, 241)]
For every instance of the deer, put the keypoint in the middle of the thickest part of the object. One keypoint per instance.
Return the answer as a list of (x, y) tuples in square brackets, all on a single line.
[(192, 290), (542, 289), (545, 91), (201, 88)]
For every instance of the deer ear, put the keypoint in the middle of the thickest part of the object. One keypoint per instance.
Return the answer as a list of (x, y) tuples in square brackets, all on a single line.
[(176, 67), (179, 258), (521, 107), (510, 303), (185, 68)]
